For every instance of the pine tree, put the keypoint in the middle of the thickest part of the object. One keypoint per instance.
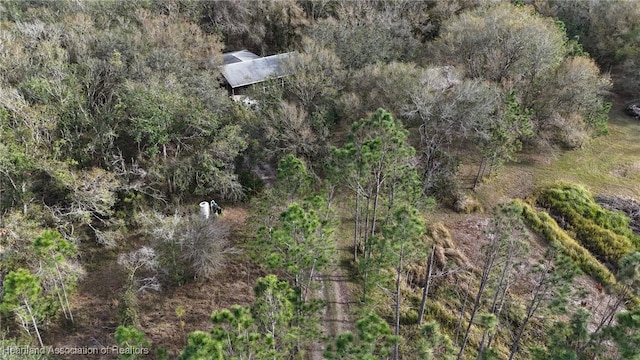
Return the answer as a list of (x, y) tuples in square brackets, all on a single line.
[(22, 297)]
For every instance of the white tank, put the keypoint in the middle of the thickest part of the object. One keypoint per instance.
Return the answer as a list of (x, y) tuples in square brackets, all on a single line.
[(204, 209)]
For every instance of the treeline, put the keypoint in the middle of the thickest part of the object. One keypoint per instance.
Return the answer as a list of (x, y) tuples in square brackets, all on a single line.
[(112, 113), (130, 93)]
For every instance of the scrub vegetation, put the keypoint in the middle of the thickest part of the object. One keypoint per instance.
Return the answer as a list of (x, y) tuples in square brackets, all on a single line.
[(433, 180)]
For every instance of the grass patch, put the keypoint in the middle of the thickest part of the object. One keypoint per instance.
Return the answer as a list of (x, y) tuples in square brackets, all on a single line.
[(609, 164), (566, 196), (546, 226), (605, 233)]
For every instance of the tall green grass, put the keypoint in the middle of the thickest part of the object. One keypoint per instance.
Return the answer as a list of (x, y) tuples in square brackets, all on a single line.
[(548, 228), (605, 233)]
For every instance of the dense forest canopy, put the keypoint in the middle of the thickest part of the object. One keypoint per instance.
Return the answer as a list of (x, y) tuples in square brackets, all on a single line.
[(115, 122)]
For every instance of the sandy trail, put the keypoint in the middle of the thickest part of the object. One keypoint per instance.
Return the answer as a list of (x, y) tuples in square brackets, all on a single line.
[(334, 288)]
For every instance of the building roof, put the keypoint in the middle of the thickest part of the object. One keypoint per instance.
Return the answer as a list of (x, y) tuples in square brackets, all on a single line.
[(252, 71), (238, 56)]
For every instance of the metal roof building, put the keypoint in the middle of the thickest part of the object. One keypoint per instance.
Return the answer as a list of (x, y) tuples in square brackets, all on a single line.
[(244, 68), (238, 56)]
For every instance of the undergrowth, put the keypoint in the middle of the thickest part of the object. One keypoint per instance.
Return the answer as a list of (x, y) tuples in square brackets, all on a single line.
[(605, 233), (548, 228)]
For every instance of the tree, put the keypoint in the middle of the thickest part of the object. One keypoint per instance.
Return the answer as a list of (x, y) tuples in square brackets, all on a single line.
[(427, 283), (433, 344), (374, 341), (491, 255), (267, 330), (503, 43), (450, 111), (275, 312), (286, 128), (92, 194), (186, 247), (606, 29), (506, 247), (143, 260), (204, 247), (293, 179), (526, 54), (189, 145), (626, 333), (403, 233), (572, 102), (264, 27), (21, 295), (317, 77), (366, 34), (489, 323), (56, 267), (132, 342), (513, 252), (377, 162), (15, 165), (300, 245), (552, 279), (386, 85), (628, 277)]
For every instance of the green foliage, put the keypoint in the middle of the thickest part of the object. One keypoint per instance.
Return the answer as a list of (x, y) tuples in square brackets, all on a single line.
[(22, 297), (405, 228), (299, 245), (128, 312), (274, 312), (433, 344), (373, 341), (51, 243), (132, 342), (564, 338), (362, 40), (605, 233), (293, 179), (59, 276), (526, 54), (626, 334), (629, 272), (373, 267), (599, 118), (19, 286), (503, 42), (270, 329), (518, 120), (544, 224), (565, 196)]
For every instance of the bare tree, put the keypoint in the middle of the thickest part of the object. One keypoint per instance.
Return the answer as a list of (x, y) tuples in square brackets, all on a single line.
[(205, 246), (187, 247), (143, 260)]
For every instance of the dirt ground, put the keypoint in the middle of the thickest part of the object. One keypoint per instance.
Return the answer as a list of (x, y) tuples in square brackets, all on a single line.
[(336, 289), (95, 304)]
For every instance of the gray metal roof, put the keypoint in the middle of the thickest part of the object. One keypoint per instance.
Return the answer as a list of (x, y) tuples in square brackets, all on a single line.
[(256, 70), (238, 56)]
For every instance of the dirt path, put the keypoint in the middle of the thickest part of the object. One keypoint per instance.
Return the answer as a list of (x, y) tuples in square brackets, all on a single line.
[(335, 288)]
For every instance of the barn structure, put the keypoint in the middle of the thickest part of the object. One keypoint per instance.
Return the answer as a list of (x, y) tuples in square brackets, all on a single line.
[(244, 68)]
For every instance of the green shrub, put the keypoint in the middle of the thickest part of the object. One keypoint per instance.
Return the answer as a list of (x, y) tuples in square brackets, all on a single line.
[(605, 233), (605, 244), (547, 227), (576, 197), (435, 310), (128, 308)]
